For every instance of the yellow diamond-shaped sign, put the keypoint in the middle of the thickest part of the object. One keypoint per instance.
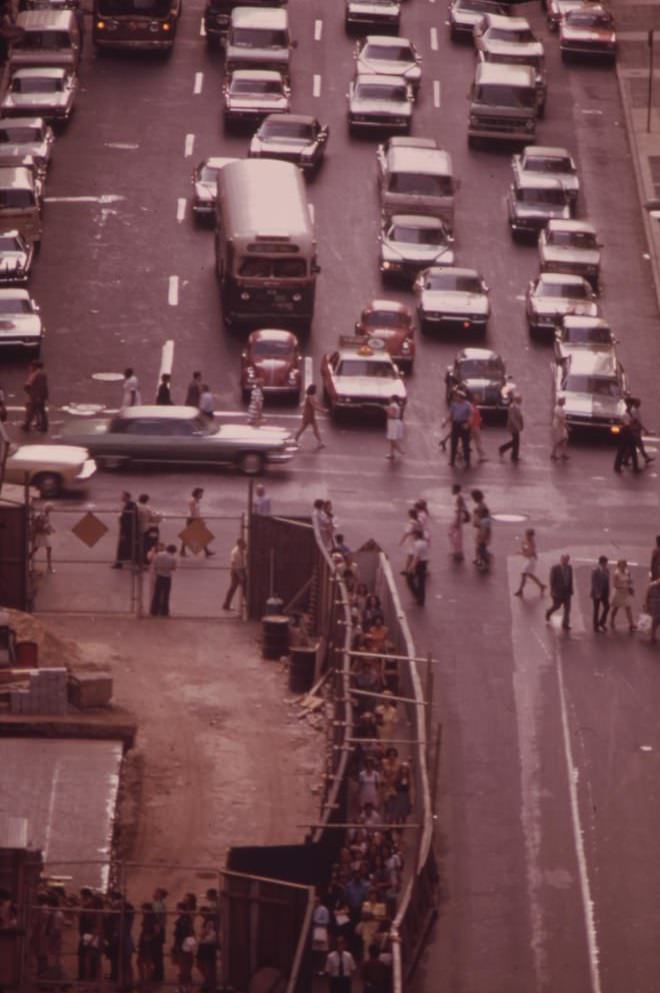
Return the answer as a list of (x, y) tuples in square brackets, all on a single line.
[(89, 529), (196, 535)]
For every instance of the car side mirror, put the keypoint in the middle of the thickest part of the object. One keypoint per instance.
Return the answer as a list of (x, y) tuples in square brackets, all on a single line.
[(485, 287)]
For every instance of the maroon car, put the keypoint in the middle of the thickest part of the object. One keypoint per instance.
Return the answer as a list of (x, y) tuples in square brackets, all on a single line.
[(390, 323), (274, 357)]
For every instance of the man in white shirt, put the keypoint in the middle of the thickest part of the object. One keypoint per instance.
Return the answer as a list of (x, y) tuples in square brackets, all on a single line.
[(130, 390), (237, 572), (340, 966), (261, 503), (164, 564), (416, 576)]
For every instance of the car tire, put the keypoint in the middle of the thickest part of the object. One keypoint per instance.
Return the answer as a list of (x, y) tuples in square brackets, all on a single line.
[(252, 464), (49, 484)]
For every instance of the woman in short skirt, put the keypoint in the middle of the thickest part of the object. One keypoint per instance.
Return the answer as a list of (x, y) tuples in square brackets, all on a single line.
[(394, 428)]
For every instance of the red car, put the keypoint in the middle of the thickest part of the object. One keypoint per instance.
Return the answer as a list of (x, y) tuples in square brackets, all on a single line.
[(391, 324), (273, 356)]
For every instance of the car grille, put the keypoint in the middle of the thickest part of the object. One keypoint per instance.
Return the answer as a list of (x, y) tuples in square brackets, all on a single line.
[(501, 123), (587, 421), (379, 119)]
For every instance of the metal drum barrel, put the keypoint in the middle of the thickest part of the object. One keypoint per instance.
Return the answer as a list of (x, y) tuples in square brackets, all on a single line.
[(275, 629)]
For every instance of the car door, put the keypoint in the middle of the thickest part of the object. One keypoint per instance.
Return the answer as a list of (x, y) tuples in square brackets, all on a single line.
[(150, 439)]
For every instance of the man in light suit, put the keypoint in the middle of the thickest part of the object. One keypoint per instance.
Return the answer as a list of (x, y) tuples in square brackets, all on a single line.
[(561, 590)]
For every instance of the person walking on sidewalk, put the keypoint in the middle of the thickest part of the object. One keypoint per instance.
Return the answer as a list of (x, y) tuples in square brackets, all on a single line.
[(638, 429), (559, 431), (482, 522), (164, 396), (600, 593), (36, 387), (407, 539), (529, 553), (195, 514), (460, 411), (194, 391), (206, 403), (311, 407), (42, 529), (461, 516), (130, 390), (256, 407), (514, 425), (127, 550), (261, 504), (626, 451), (416, 576), (561, 590), (623, 594), (237, 572), (164, 564), (394, 430)]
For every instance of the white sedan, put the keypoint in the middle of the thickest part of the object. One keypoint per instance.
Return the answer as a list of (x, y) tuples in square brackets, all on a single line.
[(51, 469)]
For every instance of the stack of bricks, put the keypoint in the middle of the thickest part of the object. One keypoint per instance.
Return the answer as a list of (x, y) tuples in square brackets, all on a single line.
[(46, 694)]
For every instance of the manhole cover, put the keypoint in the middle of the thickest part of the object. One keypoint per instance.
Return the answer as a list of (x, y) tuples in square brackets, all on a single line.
[(510, 518), (107, 377)]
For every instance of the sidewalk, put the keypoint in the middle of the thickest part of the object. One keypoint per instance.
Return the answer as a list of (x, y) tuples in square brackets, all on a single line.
[(634, 21)]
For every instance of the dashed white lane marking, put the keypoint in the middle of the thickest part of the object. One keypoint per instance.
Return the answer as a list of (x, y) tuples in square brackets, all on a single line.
[(104, 198), (316, 87), (436, 92), (587, 111), (202, 29), (199, 83), (578, 835), (127, 145), (310, 207), (308, 372), (166, 359), (173, 291), (318, 30), (188, 145), (181, 209), (434, 39)]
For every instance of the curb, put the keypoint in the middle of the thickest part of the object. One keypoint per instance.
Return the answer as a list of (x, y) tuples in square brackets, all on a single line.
[(647, 220)]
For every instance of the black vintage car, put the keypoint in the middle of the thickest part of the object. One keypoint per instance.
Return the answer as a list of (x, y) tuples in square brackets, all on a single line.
[(482, 376)]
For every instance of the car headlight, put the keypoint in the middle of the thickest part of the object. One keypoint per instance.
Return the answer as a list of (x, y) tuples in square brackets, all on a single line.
[(245, 295), (293, 376), (391, 265), (297, 297), (405, 347)]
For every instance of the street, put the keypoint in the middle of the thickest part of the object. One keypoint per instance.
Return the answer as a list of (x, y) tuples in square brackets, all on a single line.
[(549, 805)]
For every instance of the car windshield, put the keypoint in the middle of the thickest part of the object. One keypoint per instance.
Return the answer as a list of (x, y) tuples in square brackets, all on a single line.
[(598, 385), (272, 268), (556, 164), (14, 305), (481, 369), (208, 174), (411, 235), (385, 319), (44, 41), (450, 281), (256, 87), (501, 95), (9, 244), (486, 6), (555, 197), (588, 336), (259, 38), (300, 130), (572, 239), (37, 84), (512, 35), (420, 184), (389, 53), (382, 91), (13, 199), (134, 8), (366, 367), (272, 349), (20, 135), (588, 19), (571, 291)]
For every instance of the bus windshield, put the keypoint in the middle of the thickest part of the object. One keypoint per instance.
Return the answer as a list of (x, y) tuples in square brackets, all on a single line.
[(134, 8)]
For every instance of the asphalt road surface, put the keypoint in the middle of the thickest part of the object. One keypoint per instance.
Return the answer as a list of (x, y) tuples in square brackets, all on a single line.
[(550, 810)]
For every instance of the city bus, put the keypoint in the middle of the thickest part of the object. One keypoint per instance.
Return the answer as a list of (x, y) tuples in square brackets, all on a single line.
[(149, 25), (265, 246)]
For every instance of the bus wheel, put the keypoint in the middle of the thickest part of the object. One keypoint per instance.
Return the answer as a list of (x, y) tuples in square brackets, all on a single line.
[(252, 463)]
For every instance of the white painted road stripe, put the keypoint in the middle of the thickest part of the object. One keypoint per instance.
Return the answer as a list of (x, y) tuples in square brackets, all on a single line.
[(181, 209), (308, 372), (436, 92), (199, 82), (166, 359), (189, 145), (202, 28), (318, 30), (316, 91), (104, 198), (310, 207), (173, 291), (434, 39)]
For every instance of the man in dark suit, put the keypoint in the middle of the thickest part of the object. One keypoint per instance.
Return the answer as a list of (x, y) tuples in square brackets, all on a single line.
[(561, 590), (600, 593)]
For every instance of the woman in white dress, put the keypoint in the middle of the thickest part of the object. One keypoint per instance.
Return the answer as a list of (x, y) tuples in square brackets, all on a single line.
[(623, 594), (394, 432)]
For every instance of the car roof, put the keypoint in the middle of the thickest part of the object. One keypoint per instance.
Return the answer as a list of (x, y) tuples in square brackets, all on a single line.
[(13, 292), (496, 72), (391, 41), (477, 353), (380, 79), (524, 182), (597, 8), (37, 20), (43, 72), (559, 225), (582, 321), (408, 158), (593, 363), (217, 161), (272, 334), (453, 270), (557, 278), (506, 22), (17, 177), (262, 17), (518, 48), (292, 118), (255, 74), (547, 151), (418, 220), (392, 306), (21, 122), (407, 141), (169, 413), (350, 347)]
